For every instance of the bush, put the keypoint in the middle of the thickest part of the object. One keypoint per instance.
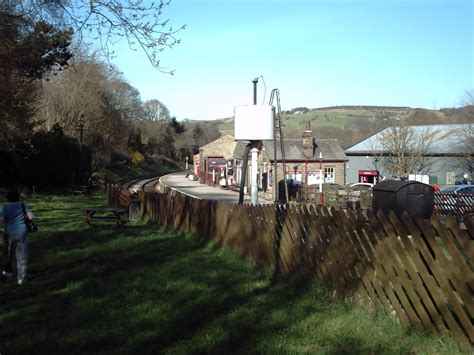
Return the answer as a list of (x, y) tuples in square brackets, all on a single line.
[(137, 158)]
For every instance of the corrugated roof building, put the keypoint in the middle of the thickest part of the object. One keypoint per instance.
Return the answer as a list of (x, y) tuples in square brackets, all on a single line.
[(446, 153)]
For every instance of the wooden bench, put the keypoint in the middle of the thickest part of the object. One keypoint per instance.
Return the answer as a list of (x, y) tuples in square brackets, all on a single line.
[(94, 214)]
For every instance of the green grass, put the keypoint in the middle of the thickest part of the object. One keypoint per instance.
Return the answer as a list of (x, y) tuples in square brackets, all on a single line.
[(226, 127), (317, 118), (145, 289)]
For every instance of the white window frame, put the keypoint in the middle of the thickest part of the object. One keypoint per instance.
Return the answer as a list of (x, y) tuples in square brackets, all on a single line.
[(329, 174)]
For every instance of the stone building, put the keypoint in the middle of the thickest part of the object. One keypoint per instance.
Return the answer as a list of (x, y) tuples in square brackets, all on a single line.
[(305, 162), (214, 161)]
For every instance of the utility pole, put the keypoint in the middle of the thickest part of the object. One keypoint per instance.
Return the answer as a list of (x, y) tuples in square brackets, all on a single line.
[(254, 150), (321, 178)]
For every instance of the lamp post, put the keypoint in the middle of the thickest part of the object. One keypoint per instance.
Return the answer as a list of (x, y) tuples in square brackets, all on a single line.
[(253, 148), (321, 178), (254, 187)]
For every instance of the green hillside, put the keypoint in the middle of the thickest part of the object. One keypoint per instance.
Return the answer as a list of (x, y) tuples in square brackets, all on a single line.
[(226, 126), (351, 124)]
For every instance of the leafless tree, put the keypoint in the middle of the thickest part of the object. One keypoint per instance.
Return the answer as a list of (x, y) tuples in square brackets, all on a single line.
[(466, 134), (468, 98), (140, 22), (467, 143), (74, 93), (402, 150), (155, 110), (106, 103), (465, 138)]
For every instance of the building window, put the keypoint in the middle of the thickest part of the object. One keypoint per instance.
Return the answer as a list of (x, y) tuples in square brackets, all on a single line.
[(296, 176), (450, 178), (329, 175)]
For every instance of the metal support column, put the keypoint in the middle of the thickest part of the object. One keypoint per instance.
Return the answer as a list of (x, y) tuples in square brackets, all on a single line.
[(254, 187)]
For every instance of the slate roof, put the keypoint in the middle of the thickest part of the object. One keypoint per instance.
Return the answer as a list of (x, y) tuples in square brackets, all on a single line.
[(221, 147), (294, 150), (446, 139), (239, 150), (330, 148)]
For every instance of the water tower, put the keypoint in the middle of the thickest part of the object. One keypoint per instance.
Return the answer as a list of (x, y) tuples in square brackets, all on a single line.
[(254, 123)]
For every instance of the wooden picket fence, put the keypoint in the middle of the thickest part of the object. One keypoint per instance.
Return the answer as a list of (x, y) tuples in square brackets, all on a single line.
[(421, 271), (457, 205)]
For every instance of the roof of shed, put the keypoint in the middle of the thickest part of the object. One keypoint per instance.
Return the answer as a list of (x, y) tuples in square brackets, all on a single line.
[(446, 139), (330, 148)]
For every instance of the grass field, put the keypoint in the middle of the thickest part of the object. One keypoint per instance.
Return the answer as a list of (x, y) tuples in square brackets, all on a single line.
[(144, 289), (226, 127), (336, 116)]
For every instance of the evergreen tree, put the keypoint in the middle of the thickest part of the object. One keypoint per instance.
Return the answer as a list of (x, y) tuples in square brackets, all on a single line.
[(28, 51), (135, 141)]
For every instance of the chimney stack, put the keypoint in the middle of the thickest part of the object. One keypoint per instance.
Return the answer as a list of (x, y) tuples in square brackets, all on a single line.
[(308, 141)]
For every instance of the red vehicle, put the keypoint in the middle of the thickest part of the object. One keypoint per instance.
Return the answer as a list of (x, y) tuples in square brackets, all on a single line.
[(369, 176)]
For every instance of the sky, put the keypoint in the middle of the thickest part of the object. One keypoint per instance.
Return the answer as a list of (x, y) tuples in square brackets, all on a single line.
[(317, 53)]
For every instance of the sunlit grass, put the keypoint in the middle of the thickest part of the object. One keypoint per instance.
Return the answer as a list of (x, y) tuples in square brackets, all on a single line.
[(226, 127), (145, 289)]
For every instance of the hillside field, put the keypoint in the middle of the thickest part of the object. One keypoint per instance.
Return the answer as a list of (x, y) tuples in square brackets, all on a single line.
[(351, 124)]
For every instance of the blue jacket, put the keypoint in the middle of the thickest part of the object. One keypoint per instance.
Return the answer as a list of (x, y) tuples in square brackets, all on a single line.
[(12, 213)]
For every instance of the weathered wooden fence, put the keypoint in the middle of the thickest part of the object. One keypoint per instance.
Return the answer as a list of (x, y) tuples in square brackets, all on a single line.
[(457, 205), (421, 270)]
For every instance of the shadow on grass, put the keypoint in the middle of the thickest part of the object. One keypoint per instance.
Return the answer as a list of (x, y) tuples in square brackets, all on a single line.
[(147, 290)]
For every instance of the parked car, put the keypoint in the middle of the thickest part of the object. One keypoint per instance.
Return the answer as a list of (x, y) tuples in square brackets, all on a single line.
[(455, 192), (458, 189)]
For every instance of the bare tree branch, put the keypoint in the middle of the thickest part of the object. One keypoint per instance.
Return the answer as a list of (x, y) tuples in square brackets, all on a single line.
[(110, 21), (466, 142), (402, 150)]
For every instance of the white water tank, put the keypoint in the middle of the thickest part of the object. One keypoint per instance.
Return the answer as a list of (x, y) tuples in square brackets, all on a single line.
[(254, 122)]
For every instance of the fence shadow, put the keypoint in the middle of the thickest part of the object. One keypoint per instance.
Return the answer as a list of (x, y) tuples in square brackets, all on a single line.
[(421, 270)]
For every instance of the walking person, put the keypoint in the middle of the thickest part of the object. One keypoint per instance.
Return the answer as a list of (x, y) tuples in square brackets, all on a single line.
[(16, 235)]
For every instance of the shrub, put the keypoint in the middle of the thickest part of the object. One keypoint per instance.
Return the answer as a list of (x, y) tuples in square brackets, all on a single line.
[(137, 158)]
